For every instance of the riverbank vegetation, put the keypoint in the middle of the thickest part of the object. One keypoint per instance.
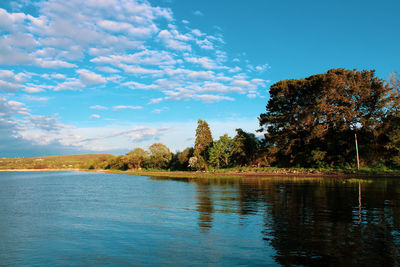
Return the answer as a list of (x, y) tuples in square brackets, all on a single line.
[(313, 125)]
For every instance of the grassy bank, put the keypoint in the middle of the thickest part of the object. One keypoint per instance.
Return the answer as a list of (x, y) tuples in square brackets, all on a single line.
[(82, 162), (52, 162), (262, 172)]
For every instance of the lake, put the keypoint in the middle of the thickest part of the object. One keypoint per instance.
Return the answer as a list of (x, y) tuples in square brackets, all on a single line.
[(93, 219)]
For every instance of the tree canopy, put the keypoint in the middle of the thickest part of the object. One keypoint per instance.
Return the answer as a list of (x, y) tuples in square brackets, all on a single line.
[(313, 120), (160, 156), (202, 143), (220, 152)]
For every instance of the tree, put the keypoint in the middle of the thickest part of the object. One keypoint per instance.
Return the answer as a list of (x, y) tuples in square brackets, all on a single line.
[(117, 163), (184, 157), (313, 120), (244, 148), (390, 129), (136, 157), (180, 160), (160, 156), (202, 143), (220, 152)]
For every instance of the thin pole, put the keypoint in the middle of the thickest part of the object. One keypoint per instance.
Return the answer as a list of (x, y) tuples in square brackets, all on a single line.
[(358, 160), (359, 202)]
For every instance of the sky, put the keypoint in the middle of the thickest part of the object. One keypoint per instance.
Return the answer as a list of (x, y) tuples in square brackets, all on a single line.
[(107, 76)]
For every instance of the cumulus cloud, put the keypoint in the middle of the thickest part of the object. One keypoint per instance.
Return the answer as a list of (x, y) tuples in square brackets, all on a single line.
[(89, 78), (73, 45), (205, 62), (173, 41), (70, 84), (9, 87)]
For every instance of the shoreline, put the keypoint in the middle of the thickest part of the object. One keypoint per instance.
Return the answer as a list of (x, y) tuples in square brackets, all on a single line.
[(38, 170), (200, 174)]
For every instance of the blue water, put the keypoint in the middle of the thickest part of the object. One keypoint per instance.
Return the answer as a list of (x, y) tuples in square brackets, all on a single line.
[(93, 219)]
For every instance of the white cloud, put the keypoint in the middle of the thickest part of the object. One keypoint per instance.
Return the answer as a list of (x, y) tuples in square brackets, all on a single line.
[(71, 84), (136, 85), (173, 41), (127, 107), (15, 103), (136, 32), (54, 64), (212, 98), (95, 116), (145, 57), (9, 87), (89, 78), (198, 13), (145, 45), (99, 107), (139, 70), (205, 62), (155, 100), (58, 76), (107, 69), (262, 68)]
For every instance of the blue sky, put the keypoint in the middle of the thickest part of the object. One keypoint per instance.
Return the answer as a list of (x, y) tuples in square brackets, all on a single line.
[(110, 75)]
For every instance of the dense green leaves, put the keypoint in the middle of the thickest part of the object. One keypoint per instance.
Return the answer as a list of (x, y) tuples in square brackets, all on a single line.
[(220, 152), (244, 148), (202, 143), (160, 156), (136, 158)]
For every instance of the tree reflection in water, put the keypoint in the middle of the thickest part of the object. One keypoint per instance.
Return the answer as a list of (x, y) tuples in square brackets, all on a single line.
[(204, 205), (318, 221), (311, 221)]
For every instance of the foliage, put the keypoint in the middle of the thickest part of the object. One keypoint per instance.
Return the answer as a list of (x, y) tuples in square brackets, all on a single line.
[(312, 121), (202, 143), (220, 152), (180, 160), (160, 156), (244, 148), (136, 157), (390, 129)]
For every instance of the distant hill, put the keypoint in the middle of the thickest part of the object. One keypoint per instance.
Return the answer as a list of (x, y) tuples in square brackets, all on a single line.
[(54, 162)]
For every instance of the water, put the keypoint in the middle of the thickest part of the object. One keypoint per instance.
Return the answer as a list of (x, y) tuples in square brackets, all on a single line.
[(94, 219)]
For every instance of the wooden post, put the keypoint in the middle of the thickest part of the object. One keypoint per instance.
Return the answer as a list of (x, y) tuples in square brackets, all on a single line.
[(358, 160)]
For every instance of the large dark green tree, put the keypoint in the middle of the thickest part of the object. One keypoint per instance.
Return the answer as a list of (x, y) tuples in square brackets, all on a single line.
[(244, 148), (180, 160), (313, 121), (390, 129), (202, 143)]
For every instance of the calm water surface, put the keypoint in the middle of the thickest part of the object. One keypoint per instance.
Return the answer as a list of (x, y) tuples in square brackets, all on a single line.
[(78, 218)]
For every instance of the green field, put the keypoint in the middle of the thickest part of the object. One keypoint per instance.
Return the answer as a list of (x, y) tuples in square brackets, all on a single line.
[(53, 162)]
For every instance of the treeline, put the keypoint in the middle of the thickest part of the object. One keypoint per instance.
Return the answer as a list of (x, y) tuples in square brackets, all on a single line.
[(241, 150), (310, 122)]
